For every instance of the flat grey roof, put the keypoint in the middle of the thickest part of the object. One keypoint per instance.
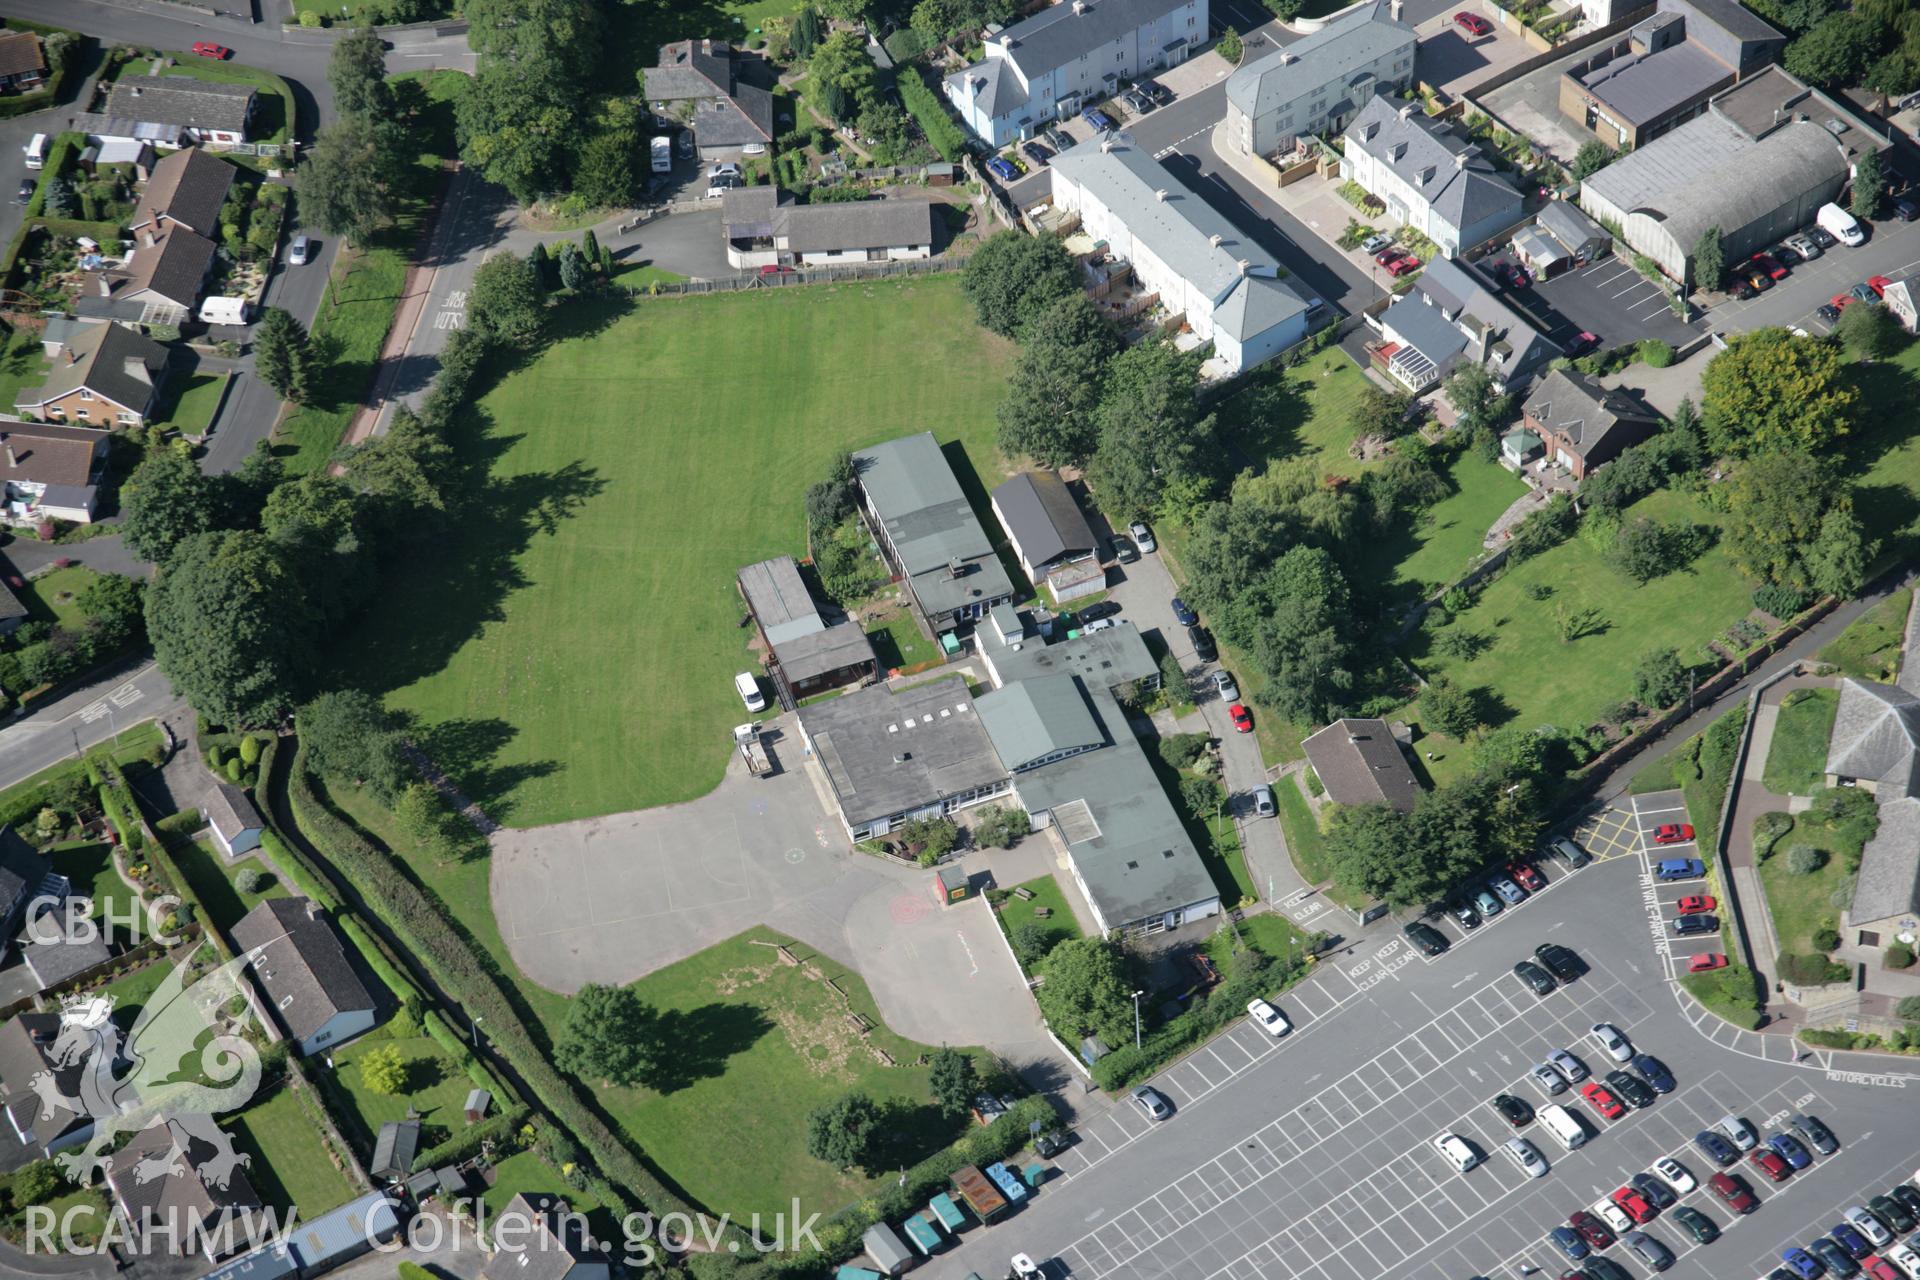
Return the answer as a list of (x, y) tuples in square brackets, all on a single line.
[(1642, 88), (885, 752), (780, 600), (1110, 656), (819, 652), (1735, 17)]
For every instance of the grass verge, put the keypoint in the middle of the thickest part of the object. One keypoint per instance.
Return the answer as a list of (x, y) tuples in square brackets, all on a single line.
[(1797, 758)]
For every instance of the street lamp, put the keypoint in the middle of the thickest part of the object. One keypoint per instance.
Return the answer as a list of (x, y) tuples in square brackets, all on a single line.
[(1136, 1018)]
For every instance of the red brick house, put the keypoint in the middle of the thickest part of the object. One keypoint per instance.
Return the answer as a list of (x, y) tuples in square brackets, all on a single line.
[(23, 61), (103, 376), (1582, 424)]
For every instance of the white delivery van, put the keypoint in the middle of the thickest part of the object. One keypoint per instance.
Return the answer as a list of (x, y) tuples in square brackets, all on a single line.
[(1841, 225), (36, 150), (662, 155), (1559, 1122), (748, 688)]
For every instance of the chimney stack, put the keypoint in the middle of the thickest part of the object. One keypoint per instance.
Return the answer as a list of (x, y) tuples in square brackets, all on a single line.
[(1214, 239), (1079, 6), (11, 460), (1406, 112), (1287, 58), (1460, 160), (1244, 265), (146, 237)]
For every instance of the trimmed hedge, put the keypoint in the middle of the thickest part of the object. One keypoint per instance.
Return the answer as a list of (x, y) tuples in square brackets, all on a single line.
[(178, 827), (943, 132), (309, 884), (116, 801), (402, 986), (500, 1126), (58, 150)]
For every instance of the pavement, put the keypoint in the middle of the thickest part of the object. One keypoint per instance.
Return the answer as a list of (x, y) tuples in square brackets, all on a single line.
[(116, 698), (1312, 1156)]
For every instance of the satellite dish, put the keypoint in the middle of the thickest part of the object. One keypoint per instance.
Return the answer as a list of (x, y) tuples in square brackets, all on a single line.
[(1906, 938)]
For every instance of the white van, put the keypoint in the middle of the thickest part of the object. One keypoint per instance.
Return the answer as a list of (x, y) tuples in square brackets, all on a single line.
[(748, 688), (1841, 225), (36, 150), (1559, 1122)]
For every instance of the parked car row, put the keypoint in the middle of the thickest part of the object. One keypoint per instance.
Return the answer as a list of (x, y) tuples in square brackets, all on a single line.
[(1848, 1248), (1832, 225), (1520, 879)]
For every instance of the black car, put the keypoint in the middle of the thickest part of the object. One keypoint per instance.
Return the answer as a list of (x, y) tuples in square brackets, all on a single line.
[(1123, 549), (1095, 612), (1202, 642), (1907, 1198), (1605, 1269), (1715, 1148), (1654, 1072), (25, 193), (1817, 1135), (1052, 1143), (1906, 210), (1696, 1224), (1656, 1190), (1686, 926), (1828, 312), (1464, 915), (1822, 237), (1741, 288), (1427, 939), (1534, 976), (1834, 1257), (1155, 91), (1560, 962), (1632, 1088), (1891, 1210), (1515, 1111)]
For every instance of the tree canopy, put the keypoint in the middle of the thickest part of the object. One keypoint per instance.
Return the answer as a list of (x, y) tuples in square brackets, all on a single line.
[(611, 1035), (1013, 277), (505, 302), (1048, 412), (233, 626), (1088, 991), (348, 178), (1151, 436), (281, 355), (844, 1132), (1771, 392), (351, 738), (357, 73), (166, 499)]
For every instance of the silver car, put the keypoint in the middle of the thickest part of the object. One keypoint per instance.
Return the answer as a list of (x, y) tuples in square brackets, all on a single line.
[(1142, 538), (1656, 1255), (298, 251), (1613, 1040), (1263, 806), (1739, 1132), (1148, 1099), (1569, 1066), (1224, 687), (1549, 1080)]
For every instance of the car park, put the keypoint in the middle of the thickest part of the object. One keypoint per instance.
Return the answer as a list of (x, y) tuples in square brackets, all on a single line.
[(1595, 1232), (1657, 1193), (1869, 1225), (1457, 1152), (1672, 833), (1613, 1040), (1834, 1257), (1738, 1131), (1605, 1269), (1688, 926), (1203, 646), (1550, 1081), (1788, 1148), (1758, 278), (1569, 1066), (1472, 23), (1509, 892), (1899, 1208), (1269, 1019), (1696, 1224), (1241, 717), (1851, 1239), (1515, 1111), (1804, 245), (1538, 980), (1879, 285), (1905, 1259), (1568, 852), (1635, 1205), (1097, 118), (1487, 905), (1375, 243), (1632, 1088), (1785, 254), (1671, 869), (1581, 343), (1770, 1164), (1263, 805), (1880, 1269), (1150, 1101), (1905, 210), (1802, 1263), (1612, 1214), (1865, 292), (1841, 301), (1428, 940), (1715, 1148), (1815, 1134), (1225, 687), (1649, 1250), (1526, 877), (1737, 287), (1036, 153), (1695, 904), (1511, 276), (1143, 538), (1602, 1100), (1675, 1174), (1733, 1192), (1706, 961), (1568, 1241), (1821, 236), (1560, 962), (1654, 1072), (1769, 264), (1526, 1157)]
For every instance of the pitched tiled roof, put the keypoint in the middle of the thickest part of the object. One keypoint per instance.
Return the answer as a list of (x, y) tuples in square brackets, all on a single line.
[(182, 102), (1876, 737), (1360, 762), (111, 361), (729, 112), (301, 964), (188, 186), (181, 1200), (20, 53), (174, 266), (1324, 60), (47, 453)]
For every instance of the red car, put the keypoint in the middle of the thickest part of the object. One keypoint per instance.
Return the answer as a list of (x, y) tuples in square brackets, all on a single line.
[(1841, 301), (1596, 1233), (1694, 904), (1879, 284), (1769, 264), (1241, 717), (775, 269), (1401, 266), (1389, 255), (1706, 960), (208, 49), (1881, 1269), (1603, 1101), (1672, 833), (1733, 1192), (1769, 1163), (1634, 1205), (1582, 342), (1472, 23), (1526, 877)]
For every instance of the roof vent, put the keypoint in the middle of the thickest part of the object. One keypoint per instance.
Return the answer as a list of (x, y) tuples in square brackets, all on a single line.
[(1133, 866), (1406, 111), (956, 567), (903, 757), (1215, 239), (1079, 6), (1161, 195), (1288, 57), (1460, 160)]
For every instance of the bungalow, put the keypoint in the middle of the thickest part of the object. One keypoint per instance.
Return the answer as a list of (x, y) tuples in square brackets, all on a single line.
[(50, 472), (537, 1237), (23, 61), (1362, 762), (762, 232), (928, 533), (26, 1044), (1581, 424), (195, 110), (191, 1207), (300, 964), (1050, 535), (805, 653), (186, 190), (105, 375), (236, 823), (698, 83)]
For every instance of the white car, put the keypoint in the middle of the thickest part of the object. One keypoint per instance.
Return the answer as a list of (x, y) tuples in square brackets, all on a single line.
[(1613, 1215), (1142, 538), (1869, 1226), (1457, 1152), (1527, 1156), (1025, 1268), (1675, 1174), (1905, 1259), (299, 251), (1610, 1038), (1225, 688), (1270, 1019)]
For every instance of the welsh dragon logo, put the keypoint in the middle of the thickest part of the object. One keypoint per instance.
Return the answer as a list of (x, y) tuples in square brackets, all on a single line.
[(177, 1067)]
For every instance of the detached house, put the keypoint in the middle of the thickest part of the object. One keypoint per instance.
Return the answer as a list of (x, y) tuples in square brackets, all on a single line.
[(1431, 180), (50, 472), (1070, 55), (1448, 317), (192, 1207), (304, 971), (158, 282), (1581, 424), (698, 82), (1361, 761), (104, 375), (156, 108), (23, 61), (760, 231), (1050, 534), (26, 1044), (186, 189)]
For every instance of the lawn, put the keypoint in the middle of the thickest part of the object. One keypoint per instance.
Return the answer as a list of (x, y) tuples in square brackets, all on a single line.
[(1529, 676), (1797, 759), (570, 649), (187, 403), (363, 292), (437, 1089), (898, 643), (1306, 412), (23, 366), (215, 881), (289, 1167), (1871, 646), (527, 1171), (1271, 934), (760, 1044), (1059, 923), (90, 868), (1802, 905), (1448, 536), (1307, 846), (131, 991), (55, 596)]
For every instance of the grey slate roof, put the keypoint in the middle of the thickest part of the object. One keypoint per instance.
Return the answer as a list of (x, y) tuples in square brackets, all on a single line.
[(1876, 738), (230, 811), (1057, 35), (188, 186), (1564, 221), (1888, 884), (53, 962), (1181, 231), (10, 606), (780, 600), (181, 1203), (1640, 89), (930, 523), (1360, 762), (729, 112), (394, 1149), (885, 752), (1000, 93), (1468, 301), (1569, 402), (22, 869), (1463, 187), (97, 125), (181, 101), (859, 224), (1033, 718), (111, 361), (300, 964), (174, 266), (1043, 517), (1328, 57), (747, 212), (538, 1238), (24, 1041), (1426, 329)]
